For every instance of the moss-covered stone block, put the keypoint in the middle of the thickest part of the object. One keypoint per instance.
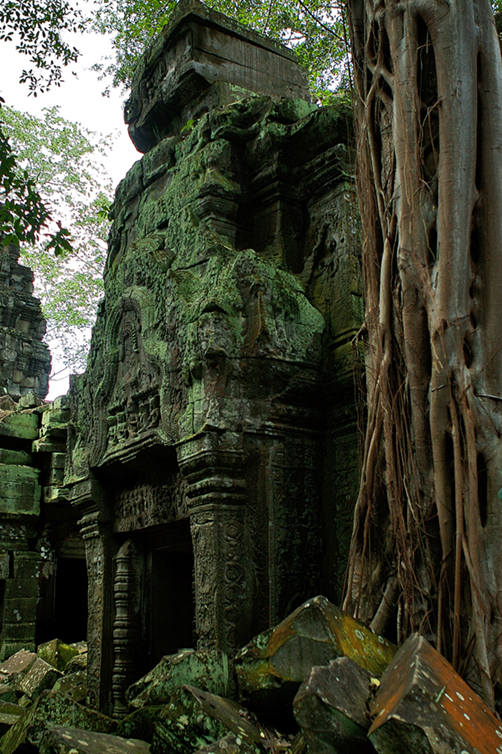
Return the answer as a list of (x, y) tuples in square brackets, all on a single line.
[(211, 671), (20, 491), (272, 666), (182, 727), (15, 457), (57, 653), (22, 426)]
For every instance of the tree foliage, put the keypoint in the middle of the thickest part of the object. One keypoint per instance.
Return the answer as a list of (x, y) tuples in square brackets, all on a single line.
[(315, 28), (36, 27), (63, 161)]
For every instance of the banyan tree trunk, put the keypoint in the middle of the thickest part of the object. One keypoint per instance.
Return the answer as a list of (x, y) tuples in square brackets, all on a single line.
[(427, 541)]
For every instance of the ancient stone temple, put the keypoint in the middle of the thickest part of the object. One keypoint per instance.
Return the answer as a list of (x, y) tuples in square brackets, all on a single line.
[(213, 446)]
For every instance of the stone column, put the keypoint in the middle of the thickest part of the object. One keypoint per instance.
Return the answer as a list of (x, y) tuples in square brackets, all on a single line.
[(222, 563), (126, 628), (100, 548)]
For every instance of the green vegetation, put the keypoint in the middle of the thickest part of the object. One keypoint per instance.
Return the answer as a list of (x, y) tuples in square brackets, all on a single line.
[(63, 160)]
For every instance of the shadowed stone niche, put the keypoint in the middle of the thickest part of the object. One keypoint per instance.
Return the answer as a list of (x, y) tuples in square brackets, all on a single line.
[(215, 426)]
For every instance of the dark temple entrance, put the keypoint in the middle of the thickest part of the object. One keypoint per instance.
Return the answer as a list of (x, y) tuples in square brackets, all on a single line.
[(62, 610), (171, 599)]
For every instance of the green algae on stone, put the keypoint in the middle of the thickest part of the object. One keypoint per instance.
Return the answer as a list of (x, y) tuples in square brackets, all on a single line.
[(57, 653), (183, 728)]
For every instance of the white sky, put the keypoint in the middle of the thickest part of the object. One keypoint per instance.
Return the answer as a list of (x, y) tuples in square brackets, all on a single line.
[(80, 100)]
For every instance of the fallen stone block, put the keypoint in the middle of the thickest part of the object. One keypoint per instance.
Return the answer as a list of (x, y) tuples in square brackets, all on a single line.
[(140, 723), (18, 733), (52, 708), (331, 708), (272, 666), (79, 661), (10, 714), (194, 719), (181, 728), (62, 740), (38, 677), (7, 693), (73, 685), (57, 653), (231, 744), (424, 707), (209, 670), (17, 665), (230, 714)]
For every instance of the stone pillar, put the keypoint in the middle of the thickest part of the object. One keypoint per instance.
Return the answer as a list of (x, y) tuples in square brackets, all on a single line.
[(126, 628), (21, 597), (223, 568), (100, 548)]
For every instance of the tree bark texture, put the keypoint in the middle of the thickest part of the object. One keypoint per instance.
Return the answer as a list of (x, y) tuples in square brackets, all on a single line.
[(426, 549)]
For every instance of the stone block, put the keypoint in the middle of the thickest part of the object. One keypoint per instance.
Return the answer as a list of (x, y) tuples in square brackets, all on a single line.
[(20, 491), (140, 723), (231, 744), (331, 708), (16, 589), (56, 476), (182, 726), (20, 632), (57, 653), (272, 666), (54, 495), (57, 460), (39, 677), (45, 445), (7, 694), (210, 671), (15, 457), (73, 685), (21, 610), (64, 740), (233, 716), (20, 426), (4, 564), (55, 708), (423, 705), (26, 565), (17, 665), (31, 399), (8, 648)]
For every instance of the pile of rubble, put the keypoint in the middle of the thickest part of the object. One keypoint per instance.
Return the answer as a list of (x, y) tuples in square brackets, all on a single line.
[(319, 682)]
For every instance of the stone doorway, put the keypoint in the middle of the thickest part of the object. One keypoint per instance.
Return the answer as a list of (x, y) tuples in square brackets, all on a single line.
[(170, 597), (62, 611)]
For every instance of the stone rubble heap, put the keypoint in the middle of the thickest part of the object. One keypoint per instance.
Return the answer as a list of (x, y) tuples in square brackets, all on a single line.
[(319, 682)]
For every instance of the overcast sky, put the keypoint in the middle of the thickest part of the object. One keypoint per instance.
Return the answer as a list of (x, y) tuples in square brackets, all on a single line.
[(80, 100)]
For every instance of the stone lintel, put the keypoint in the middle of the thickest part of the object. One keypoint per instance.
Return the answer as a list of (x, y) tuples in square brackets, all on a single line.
[(199, 48)]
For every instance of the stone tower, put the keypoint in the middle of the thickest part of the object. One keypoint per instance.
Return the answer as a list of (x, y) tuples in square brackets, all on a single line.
[(213, 449), (25, 362)]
